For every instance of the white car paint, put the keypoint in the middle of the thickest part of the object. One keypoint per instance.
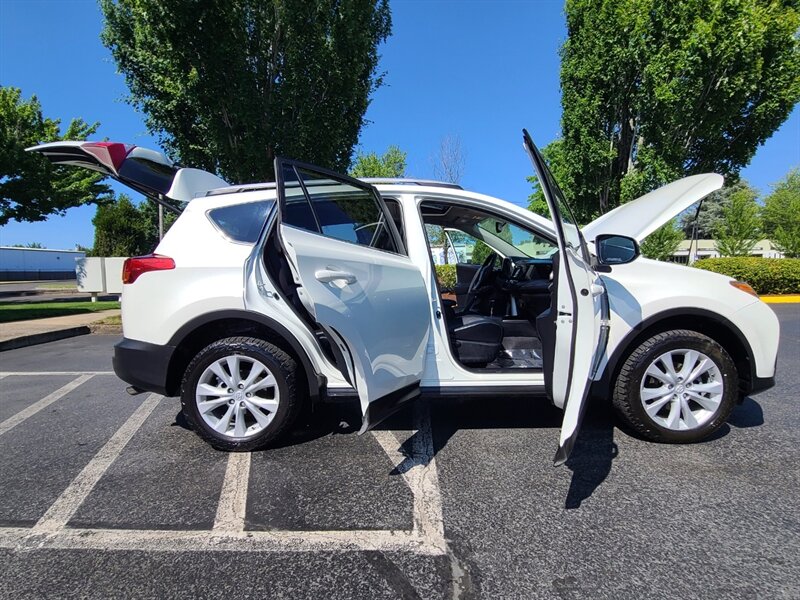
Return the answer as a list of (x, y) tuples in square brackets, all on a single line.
[(636, 291), (213, 274), (641, 217)]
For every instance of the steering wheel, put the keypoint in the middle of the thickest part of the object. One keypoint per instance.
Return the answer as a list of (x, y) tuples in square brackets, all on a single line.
[(479, 280)]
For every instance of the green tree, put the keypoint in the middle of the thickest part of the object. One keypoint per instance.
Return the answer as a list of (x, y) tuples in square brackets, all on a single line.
[(31, 189), (28, 245), (782, 214), (654, 90), (740, 228), (711, 211), (227, 86), (663, 242), (148, 215), (119, 229), (553, 153), (390, 164)]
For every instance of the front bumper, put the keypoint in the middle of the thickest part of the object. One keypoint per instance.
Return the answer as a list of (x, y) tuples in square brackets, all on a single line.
[(144, 366)]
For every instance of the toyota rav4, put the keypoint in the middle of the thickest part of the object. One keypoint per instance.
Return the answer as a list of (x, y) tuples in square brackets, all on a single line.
[(264, 297)]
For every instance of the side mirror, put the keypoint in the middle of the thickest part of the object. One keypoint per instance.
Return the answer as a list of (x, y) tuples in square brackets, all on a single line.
[(615, 249)]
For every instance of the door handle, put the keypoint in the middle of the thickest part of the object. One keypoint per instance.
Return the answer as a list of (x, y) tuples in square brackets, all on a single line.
[(329, 275)]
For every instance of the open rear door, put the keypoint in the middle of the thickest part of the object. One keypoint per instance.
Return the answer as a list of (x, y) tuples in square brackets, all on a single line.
[(146, 171), (356, 281), (581, 313)]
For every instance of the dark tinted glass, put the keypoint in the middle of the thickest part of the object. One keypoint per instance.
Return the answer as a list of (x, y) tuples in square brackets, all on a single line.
[(147, 173), (242, 222), (347, 213), (297, 211)]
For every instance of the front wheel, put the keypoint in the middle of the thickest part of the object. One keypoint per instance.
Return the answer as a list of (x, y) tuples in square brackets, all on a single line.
[(676, 387), (240, 393)]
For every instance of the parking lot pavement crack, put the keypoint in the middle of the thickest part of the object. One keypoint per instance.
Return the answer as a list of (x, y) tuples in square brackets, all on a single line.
[(70, 500), (34, 408)]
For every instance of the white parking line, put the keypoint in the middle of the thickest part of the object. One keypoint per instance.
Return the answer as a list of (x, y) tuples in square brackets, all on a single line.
[(233, 497), (419, 471), (21, 539), (7, 373), (34, 408), (68, 502), (228, 534)]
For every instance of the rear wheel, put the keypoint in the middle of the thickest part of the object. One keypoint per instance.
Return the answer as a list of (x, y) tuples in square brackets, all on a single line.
[(240, 393), (676, 387)]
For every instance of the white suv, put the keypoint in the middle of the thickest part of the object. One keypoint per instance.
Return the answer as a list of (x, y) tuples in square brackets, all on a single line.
[(264, 297)]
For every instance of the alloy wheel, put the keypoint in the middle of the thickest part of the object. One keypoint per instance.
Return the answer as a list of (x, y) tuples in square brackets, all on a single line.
[(237, 396), (682, 389)]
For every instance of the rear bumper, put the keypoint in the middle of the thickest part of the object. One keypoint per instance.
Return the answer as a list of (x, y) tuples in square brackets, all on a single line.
[(143, 365)]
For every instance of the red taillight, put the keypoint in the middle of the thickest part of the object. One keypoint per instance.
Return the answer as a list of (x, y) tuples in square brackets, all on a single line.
[(135, 266)]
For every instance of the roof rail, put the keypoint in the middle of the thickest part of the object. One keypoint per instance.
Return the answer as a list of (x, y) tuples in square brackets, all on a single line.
[(247, 187), (409, 181), (270, 185)]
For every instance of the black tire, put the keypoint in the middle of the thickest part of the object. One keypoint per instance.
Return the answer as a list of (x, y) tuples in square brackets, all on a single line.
[(626, 396), (282, 366)]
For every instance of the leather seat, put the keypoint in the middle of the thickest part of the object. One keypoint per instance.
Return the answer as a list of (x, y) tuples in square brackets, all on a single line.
[(476, 338)]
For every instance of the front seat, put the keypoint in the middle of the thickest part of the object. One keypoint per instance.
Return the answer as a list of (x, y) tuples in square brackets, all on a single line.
[(476, 338)]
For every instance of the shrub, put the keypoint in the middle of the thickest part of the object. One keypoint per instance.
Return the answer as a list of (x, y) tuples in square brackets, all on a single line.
[(766, 275), (446, 274)]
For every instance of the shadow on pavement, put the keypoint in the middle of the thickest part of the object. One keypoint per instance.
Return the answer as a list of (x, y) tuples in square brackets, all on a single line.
[(747, 414), (590, 462), (592, 456)]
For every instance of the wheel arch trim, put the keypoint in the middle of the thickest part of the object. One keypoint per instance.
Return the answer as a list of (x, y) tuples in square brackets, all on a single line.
[(316, 381), (602, 386)]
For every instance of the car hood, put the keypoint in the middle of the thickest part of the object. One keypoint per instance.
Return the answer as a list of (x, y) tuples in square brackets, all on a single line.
[(641, 217)]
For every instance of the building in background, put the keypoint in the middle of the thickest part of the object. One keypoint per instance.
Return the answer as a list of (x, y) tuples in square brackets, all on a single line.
[(690, 251), (36, 264)]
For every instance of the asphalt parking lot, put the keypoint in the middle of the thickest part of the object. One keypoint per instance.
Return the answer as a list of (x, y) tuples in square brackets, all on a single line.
[(104, 495)]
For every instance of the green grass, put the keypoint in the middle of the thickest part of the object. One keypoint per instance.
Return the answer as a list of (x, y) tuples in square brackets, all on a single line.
[(67, 285), (14, 311)]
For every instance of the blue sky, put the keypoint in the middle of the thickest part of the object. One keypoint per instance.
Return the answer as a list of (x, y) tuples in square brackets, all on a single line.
[(481, 70)]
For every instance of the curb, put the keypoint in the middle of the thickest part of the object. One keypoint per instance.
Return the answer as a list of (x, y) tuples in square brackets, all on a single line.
[(783, 299), (43, 338)]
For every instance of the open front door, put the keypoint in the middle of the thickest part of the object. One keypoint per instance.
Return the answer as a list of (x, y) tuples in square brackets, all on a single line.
[(354, 278), (580, 314)]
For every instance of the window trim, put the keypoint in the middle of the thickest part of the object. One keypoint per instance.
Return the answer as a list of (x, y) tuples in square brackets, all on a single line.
[(337, 177)]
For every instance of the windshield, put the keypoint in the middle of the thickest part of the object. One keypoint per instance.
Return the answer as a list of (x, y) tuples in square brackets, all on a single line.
[(503, 236)]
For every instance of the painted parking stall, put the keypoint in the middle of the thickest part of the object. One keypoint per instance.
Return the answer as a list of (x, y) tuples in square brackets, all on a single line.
[(129, 477), (471, 505)]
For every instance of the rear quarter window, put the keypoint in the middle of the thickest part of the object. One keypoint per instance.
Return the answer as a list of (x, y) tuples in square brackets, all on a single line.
[(241, 222)]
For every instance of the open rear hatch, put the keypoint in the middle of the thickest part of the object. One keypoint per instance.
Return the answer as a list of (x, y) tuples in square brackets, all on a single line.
[(143, 170)]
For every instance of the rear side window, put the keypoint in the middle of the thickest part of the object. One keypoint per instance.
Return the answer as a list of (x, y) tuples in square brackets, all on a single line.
[(241, 222), (334, 208)]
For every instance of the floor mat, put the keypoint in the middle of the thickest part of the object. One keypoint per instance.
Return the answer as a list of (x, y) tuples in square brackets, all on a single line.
[(518, 358)]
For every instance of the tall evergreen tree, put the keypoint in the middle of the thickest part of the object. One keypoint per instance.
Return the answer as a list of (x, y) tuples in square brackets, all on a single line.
[(655, 90), (227, 86)]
